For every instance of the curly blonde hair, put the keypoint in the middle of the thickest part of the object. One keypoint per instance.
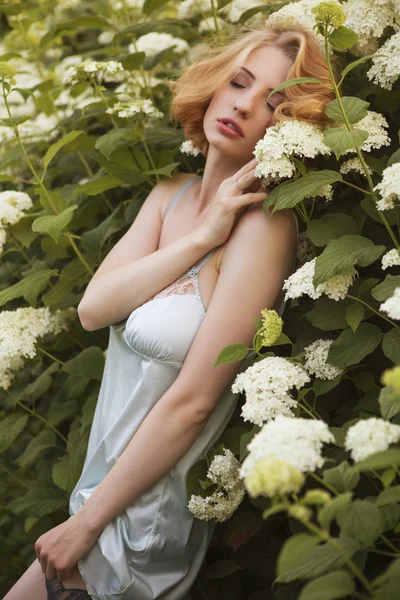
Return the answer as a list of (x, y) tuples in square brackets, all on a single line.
[(193, 90)]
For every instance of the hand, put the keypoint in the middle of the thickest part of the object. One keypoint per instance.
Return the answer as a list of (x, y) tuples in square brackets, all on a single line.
[(59, 550), (230, 202)]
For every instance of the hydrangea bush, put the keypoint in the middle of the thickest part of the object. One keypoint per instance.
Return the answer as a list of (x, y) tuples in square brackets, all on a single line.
[(304, 484)]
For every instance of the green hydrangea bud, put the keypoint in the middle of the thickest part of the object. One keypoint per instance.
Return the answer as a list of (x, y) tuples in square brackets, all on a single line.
[(271, 476), (317, 496), (6, 70), (272, 325), (391, 377), (329, 13), (301, 513)]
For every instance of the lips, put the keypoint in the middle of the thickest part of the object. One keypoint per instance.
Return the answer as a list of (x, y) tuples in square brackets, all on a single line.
[(234, 123)]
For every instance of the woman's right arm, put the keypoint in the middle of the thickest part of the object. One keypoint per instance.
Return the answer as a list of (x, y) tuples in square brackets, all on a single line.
[(134, 270)]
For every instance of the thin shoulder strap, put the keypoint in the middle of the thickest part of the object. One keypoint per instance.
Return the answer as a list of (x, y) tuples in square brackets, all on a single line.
[(179, 194), (196, 269)]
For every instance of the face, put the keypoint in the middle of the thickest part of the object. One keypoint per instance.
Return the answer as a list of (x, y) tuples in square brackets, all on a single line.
[(244, 99)]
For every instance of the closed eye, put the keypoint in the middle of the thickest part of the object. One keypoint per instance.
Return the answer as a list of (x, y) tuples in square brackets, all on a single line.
[(238, 85)]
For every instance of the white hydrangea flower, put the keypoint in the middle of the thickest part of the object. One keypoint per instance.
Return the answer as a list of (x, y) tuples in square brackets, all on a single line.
[(353, 164), (238, 7), (266, 384), (295, 440), (301, 282), (106, 37), (271, 477), (304, 249), (13, 205), (286, 139), (84, 71), (224, 470), (392, 305), (19, 330), (219, 506), (368, 18), (316, 360), (385, 70), (123, 4), (127, 110), (369, 436), (391, 259), (375, 124), (389, 187), (152, 43), (188, 148), (208, 24), (189, 8)]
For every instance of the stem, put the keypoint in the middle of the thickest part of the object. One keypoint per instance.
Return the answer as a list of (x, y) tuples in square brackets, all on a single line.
[(57, 360), (389, 544), (356, 187), (373, 309), (214, 12), (322, 482), (37, 415), (11, 474)]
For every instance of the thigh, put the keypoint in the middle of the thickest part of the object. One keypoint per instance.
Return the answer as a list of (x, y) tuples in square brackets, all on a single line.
[(74, 580), (31, 584)]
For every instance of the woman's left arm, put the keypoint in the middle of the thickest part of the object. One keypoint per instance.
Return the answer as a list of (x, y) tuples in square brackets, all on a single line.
[(258, 256)]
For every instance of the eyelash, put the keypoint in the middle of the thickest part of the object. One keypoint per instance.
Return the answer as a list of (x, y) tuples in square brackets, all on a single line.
[(235, 84)]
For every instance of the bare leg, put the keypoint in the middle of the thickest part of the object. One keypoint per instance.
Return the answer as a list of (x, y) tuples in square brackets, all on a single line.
[(74, 581), (31, 584)]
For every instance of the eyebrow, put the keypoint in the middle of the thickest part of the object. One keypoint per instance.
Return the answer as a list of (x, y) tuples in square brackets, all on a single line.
[(268, 89)]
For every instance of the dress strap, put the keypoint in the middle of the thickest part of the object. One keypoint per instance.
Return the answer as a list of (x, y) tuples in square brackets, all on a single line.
[(179, 194), (195, 269)]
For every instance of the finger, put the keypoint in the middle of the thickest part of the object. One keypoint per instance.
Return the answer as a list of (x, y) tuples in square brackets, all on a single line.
[(51, 572), (246, 180), (244, 169), (252, 198)]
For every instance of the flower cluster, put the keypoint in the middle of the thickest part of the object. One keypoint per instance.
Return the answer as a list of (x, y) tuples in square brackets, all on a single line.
[(188, 148), (391, 259), (271, 477), (13, 204), (392, 305), (189, 8), (368, 18), (301, 282), (7, 72), (127, 110), (353, 164), (284, 140), (19, 330), (385, 69), (224, 472), (152, 43), (266, 384), (91, 70), (330, 14), (369, 436), (316, 360), (297, 441), (272, 325), (374, 123), (389, 187), (208, 24)]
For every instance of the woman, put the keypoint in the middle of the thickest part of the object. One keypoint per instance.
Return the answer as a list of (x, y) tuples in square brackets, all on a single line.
[(175, 292)]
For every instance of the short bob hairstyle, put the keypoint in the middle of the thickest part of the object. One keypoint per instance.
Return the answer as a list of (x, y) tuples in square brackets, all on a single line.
[(193, 90)]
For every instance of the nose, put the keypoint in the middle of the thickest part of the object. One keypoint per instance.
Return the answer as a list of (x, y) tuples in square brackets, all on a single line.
[(245, 104)]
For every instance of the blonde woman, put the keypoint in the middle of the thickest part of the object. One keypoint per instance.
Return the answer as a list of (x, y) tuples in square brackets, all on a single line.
[(195, 268)]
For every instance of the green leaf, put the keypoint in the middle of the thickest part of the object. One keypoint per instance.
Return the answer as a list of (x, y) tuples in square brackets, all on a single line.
[(13, 122), (334, 508), (294, 550), (42, 441), (246, 439), (71, 276), (395, 158), (389, 402), (340, 140), (357, 62), (54, 148), (379, 460), (167, 170), (328, 314), (30, 507), (389, 496), (88, 363), (290, 193), (355, 109), (294, 81), (330, 226), (361, 521), (10, 428), (343, 253), (351, 347), (222, 568), (37, 388), (62, 475), (343, 478), (29, 287), (144, 27), (323, 558), (113, 140), (98, 185), (232, 353), (338, 584), (386, 288), (54, 224), (231, 438), (343, 38), (354, 315), (94, 240), (391, 345)]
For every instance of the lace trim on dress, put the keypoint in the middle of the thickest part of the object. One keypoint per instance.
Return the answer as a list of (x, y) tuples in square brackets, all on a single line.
[(187, 283), (56, 591)]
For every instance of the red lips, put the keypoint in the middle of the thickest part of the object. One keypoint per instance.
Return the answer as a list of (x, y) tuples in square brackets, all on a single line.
[(234, 123)]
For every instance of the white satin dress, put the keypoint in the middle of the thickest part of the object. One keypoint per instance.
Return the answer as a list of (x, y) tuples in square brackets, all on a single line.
[(155, 548)]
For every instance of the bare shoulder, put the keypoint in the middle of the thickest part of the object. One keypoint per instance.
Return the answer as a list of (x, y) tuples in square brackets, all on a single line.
[(257, 232), (171, 186)]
